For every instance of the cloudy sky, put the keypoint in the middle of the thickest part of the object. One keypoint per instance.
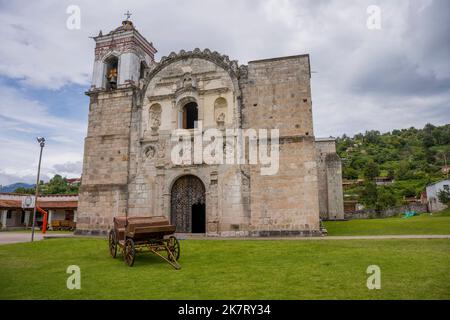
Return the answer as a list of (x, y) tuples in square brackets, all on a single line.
[(364, 78)]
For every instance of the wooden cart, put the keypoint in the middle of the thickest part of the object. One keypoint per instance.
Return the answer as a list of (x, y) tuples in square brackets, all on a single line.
[(133, 235)]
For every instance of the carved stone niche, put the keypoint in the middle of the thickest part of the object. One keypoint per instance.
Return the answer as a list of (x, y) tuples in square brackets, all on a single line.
[(155, 111), (187, 82), (150, 152), (220, 111), (161, 155)]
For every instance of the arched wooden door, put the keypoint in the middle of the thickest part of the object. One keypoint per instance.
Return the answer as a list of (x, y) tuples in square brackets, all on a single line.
[(188, 205)]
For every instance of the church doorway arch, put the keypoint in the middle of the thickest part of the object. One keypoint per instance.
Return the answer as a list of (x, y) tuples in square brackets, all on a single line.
[(188, 212)]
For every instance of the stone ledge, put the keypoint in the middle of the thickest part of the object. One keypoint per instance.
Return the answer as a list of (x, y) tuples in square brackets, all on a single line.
[(229, 235), (286, 233)]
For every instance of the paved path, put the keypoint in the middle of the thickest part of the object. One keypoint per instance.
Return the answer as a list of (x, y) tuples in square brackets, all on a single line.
[(18, 237), (383, 237)]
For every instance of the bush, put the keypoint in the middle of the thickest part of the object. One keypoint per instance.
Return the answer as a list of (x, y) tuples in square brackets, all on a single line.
[(444, 196)]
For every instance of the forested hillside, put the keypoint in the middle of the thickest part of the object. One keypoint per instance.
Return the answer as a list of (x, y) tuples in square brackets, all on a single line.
[(413, 157)]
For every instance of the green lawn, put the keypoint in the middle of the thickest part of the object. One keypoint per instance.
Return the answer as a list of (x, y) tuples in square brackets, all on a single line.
[(411, 269), (424, 224)]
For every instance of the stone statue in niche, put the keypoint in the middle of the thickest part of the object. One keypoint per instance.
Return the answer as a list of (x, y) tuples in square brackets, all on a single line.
[(221, 119), (220, 109), (161, 155), (155, 118), (161, 150), (150, 152)]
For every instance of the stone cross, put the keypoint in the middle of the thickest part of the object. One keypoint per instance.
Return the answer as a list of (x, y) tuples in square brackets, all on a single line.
[(128, 14)]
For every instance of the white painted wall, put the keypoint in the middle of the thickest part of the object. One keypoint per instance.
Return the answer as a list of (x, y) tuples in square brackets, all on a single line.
[(432, 194)]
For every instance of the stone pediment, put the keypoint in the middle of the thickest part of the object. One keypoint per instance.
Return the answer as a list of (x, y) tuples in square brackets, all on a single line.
[(231, 66)]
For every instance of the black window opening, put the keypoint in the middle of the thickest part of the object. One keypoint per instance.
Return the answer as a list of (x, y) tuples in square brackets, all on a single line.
[(142, 70), (190, 115)]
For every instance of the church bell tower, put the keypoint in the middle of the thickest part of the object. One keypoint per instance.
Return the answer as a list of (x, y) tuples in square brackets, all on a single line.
[(122, 58)]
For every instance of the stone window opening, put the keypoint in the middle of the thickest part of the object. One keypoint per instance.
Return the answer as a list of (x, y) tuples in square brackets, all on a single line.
[(190, 115), (111, 72), (142, 70)]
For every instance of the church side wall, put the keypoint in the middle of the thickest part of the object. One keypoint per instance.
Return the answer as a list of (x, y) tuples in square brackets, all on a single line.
[(277, 95), (331, 202), (334, 187)]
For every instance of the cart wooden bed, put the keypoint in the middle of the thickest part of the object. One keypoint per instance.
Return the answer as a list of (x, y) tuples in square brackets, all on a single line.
[(136, 234)]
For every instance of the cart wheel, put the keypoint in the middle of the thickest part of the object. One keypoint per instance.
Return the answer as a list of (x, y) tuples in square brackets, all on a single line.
[(129, 252), (174, 247), (112, 244)]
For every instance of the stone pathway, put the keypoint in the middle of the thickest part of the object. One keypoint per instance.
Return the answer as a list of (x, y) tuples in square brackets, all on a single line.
[(18, 237), (383, 237)]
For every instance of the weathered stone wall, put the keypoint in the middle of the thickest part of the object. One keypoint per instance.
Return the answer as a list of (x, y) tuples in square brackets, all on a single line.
[(103, 192), (127, 163), (387, 213), (331, 201), (152, 173), (277, 95)]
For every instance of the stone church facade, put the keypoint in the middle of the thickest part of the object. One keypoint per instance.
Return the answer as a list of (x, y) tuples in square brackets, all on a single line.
[(135, 105)]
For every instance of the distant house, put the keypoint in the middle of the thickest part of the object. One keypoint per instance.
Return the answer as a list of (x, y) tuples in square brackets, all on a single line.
[(14, 216), (383, 181), (74, 182), (347, 184), (432, 195)]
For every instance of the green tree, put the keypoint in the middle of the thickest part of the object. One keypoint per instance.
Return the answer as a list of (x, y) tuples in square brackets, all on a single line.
[(385, 198), (371, 170), (350, 173), (58, 185), (444, 196), (428, 141), (403, 171), (23, 190), (391, 173), (369, 195), (372, 137), (409, 192)]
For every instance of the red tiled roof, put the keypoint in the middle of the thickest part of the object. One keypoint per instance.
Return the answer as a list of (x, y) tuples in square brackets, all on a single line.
[(57, 204), (40, 196), (10, 204), (17, 204)]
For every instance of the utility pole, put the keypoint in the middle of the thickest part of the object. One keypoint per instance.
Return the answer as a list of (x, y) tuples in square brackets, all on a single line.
[(41, 142)]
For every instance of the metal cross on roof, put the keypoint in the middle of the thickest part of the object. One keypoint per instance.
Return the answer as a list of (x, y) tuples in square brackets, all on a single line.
[(128, 14)]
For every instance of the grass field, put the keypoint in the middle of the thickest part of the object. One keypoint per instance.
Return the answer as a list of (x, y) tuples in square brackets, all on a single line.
[(425, 224), (411, 269)]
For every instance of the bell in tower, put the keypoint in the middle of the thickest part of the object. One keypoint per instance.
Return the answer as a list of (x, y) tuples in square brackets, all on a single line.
[(112, 64), (119, 56)]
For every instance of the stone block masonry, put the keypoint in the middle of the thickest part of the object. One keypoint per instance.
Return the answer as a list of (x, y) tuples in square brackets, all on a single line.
[(127, 166)]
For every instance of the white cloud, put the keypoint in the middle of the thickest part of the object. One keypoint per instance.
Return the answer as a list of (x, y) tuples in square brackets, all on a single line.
[(21, 121), (395, 77)]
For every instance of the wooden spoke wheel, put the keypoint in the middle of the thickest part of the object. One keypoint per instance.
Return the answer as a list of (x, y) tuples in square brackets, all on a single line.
[(112, 244), (129, 252), (174, 247)]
